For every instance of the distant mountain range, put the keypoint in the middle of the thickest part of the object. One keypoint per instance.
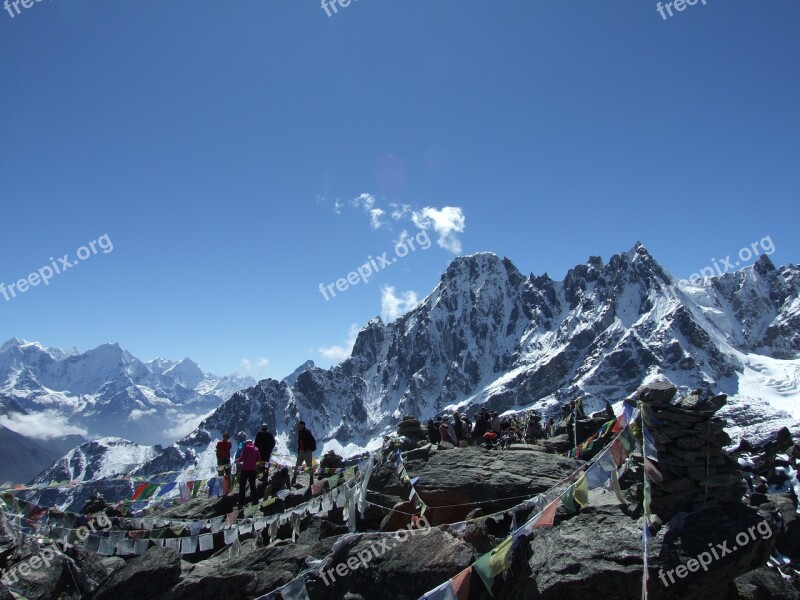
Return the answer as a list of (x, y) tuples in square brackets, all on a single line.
[(488, 335), (103, 392)]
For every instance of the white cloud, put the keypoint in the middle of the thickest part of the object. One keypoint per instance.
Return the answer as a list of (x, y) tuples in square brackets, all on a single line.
[(339, 353), (365, 201), (184, 424), (41, 425), (257, 367), (392, 306), (337, 207), (375, 218), (399, 210), (446, 222), (137, 413)]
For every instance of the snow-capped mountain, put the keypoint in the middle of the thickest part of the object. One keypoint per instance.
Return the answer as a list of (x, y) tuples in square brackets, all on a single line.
[(101, 462), (489, 335), (105, 391)]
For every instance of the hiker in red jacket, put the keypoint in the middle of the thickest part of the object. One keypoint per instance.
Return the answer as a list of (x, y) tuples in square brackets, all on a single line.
[(224, 460), (247, 473), (306, 445)]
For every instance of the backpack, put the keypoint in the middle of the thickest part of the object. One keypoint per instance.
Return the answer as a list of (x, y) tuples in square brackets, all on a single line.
[(312, 442)]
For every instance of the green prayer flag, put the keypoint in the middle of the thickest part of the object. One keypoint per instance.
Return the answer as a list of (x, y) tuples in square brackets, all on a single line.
[(581, 492), (483, 568), (568, 501), (499, 560), (149, 491)]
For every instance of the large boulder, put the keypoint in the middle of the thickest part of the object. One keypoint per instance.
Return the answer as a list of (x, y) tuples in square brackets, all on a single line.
[(146, 576), (599, 553), (465, 476), (763, 584), (42, 575), (388, 567)]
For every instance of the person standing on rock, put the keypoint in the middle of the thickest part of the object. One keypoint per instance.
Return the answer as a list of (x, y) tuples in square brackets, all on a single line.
[(247, 475), (495, 423), (265, 442), (433, 432), (444, 432), (458, 428), (306, 445), (224, 459)]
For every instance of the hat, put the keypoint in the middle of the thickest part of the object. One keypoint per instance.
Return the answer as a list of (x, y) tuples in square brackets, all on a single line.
[(241, 435), (264, 427)]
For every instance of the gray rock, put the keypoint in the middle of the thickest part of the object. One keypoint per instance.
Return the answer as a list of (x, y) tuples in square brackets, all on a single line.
[(468, 475), (763, 584), (658, 391), (575, 559), (41, 576), (146, 576), (394, 569)]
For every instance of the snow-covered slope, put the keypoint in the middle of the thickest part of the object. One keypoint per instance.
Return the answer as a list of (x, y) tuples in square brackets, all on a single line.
[(105, 391)]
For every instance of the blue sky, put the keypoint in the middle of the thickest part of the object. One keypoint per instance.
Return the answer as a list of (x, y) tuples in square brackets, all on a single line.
[(222, 147)]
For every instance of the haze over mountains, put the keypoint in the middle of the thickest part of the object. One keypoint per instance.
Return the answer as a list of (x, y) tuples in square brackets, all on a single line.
[(489, 335), (49, 392)]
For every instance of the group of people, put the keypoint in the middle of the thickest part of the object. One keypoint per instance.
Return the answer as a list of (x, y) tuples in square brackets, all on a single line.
[(489, 429), (252, 458)]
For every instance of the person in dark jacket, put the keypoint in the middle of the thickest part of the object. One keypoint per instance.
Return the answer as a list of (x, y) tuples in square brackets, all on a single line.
[(265, 442), (433, 432), (458, 427), (306, 445), (481, 425), (279, 481)]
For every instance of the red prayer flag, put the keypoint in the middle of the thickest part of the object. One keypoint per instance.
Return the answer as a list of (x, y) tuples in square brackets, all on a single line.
[(618, 452), (547, 518), (460, 583), (139, 491)]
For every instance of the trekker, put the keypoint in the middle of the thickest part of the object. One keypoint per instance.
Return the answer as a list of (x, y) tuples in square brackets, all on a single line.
[(467, 426), (444, 432), (458, 427), (241, 438), (247, 475), (265, 442), (224, 455), (451, 431), (306, 445), (481, 425), (433, 432), (279, 481), (495, 422)]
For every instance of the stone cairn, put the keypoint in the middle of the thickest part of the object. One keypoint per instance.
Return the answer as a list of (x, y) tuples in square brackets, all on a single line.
[(411, 428), (696, 471)]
